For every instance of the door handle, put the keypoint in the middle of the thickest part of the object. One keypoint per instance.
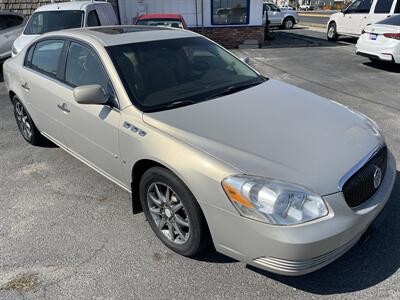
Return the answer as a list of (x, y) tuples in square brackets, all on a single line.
[(25, 86), (63, 107)]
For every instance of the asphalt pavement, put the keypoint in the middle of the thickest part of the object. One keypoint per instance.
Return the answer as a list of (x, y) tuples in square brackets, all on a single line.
[(315, 17), (68, 233)]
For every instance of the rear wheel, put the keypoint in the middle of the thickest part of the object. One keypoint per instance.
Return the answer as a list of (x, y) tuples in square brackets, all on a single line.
[(288, 23), (172, 212), (25, 124), (332, 32)]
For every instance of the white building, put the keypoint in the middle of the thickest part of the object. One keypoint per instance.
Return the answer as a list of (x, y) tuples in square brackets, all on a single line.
[(229, 22)]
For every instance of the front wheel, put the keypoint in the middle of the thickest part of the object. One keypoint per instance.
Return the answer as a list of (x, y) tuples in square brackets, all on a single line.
[(332, 32), (173, 213)]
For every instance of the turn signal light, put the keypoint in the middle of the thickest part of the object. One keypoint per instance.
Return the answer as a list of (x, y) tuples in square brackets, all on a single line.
[(395, 36)]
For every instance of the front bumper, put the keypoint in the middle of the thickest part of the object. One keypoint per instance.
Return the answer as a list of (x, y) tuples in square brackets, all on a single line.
[(299, 249)]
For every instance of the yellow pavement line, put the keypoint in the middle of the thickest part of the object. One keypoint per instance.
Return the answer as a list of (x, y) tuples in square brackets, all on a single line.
[(312, 25), (314, 15)]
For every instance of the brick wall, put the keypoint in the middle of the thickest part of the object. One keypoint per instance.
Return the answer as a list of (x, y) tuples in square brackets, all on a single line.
[(232, 37), (25, 7)]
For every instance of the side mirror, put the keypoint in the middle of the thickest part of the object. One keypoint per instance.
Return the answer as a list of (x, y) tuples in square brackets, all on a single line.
[(245, 60), (343, 11), (90, 94)]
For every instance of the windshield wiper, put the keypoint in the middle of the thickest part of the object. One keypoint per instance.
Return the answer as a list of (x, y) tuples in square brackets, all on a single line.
[(180, 103), (233, 89)]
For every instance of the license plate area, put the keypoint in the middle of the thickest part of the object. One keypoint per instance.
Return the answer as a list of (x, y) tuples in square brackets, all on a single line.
[(373, 37)]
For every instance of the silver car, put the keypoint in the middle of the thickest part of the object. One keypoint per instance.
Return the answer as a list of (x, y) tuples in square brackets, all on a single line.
[(212, 151), (11, 26), (286, 18)]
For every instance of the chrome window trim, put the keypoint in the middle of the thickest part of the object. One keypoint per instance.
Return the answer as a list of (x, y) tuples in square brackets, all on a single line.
[(359, 165)]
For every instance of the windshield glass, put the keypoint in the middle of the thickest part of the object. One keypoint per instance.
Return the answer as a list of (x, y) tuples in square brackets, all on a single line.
[(164, 74), (161, 22), (46, 21), (395, 20)]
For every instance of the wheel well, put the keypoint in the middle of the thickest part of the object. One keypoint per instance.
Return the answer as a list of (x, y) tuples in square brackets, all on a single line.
[(11, 94), (138, 170), (331, 22)]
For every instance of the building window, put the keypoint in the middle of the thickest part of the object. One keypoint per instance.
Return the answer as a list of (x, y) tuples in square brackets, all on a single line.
[(230, 12)]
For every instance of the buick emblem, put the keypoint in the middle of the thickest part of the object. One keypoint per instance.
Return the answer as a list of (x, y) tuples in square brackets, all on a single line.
[(377, 177)]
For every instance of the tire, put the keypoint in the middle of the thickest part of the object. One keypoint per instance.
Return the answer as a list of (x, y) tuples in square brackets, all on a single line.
[(288, 23), (331, 34), (162, 215), (25, 124)]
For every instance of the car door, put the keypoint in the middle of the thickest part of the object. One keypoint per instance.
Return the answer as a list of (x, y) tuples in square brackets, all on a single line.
[(274, 14), (90, 131), (360, 16), (40, 85), (10, 29), (381, 10), (344, 19)]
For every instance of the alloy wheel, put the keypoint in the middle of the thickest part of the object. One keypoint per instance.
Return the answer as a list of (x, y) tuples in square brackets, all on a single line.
[(288, 23), (168, 212), (331, 31), (23, 120)]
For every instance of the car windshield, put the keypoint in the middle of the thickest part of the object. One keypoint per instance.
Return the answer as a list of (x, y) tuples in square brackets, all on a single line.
[(395, 20), (46, 21), (161, 22), (165, 74)]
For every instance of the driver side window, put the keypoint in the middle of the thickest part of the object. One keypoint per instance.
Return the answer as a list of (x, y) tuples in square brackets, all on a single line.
[(274, 7), (359, 7), (84, 68)]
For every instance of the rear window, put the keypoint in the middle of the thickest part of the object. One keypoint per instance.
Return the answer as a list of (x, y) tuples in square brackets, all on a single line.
[(46, 56), (161, 22), (395, 20), (46, 21), (8, 21)]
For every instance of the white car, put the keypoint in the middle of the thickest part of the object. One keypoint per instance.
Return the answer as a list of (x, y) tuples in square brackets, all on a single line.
[(11, 26), (361, 13), (281, 17), (306, 7), (381, 41), (65, 15)]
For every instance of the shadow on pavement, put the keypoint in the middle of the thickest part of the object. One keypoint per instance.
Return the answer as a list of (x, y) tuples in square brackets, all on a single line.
[(384, 66), (374, 259), (296, 38), (213, 256)]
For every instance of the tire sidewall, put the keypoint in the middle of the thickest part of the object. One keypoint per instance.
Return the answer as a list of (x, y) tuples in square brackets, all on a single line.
[(34, 137), (196, 220), (335, 35), (285, 25)]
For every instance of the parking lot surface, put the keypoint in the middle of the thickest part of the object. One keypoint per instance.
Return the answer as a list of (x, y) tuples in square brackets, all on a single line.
[(67, 232)]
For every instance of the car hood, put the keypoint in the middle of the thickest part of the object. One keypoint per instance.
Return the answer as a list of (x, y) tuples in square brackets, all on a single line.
[(23, 40), (275, 130)]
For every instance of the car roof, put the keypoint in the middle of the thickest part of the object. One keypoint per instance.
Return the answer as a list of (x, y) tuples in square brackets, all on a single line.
[(72, 5), (160, 16), (119, 35)]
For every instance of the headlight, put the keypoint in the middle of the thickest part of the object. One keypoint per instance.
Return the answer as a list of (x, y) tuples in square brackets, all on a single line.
[(14, 50), (272, 201)]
